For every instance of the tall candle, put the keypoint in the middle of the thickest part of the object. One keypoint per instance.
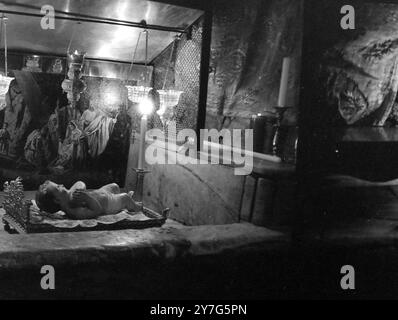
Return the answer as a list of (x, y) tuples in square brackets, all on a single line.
[(284, 82), (141, 155)]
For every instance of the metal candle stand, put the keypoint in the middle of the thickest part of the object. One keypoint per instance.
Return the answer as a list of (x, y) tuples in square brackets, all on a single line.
[(139, 187), (139, 193), (280, 112)]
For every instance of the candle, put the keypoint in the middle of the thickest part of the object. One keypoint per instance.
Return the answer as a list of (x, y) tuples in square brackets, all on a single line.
[(145, 107), (284, 82), (141, 155), (257, 124)]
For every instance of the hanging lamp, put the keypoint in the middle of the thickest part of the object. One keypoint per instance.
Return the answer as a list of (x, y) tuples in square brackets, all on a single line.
[(4, 79), (73, 85), (137, 94), (169, 98)]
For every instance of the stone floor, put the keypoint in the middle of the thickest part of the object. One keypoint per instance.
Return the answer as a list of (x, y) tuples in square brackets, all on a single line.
[(236, 261), (173, 262)]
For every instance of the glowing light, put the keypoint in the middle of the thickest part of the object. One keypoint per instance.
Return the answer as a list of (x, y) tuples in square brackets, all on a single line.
[(146, 107)]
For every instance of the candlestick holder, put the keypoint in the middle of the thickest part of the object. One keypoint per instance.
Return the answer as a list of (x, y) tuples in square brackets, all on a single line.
[(279, 113), (139, 193), (139, 186), (263, 126)]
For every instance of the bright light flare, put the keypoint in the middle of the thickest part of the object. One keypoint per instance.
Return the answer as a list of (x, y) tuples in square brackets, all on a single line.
[(146, 106)]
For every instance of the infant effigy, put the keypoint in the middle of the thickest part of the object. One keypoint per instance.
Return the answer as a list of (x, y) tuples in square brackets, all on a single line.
[(58, 209)]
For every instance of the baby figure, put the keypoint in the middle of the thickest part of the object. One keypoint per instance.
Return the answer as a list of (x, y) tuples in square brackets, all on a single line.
[(80, 203)]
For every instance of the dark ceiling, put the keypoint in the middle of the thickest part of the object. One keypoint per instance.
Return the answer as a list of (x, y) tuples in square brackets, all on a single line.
[(100, 41)]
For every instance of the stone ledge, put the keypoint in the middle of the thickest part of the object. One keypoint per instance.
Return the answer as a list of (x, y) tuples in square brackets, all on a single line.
[(274, 170), (167, 243), (354, 233)]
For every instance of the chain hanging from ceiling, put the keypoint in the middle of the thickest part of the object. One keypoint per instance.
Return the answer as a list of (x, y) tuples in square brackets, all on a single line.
[(169, 98), (5, 80), (73, 85), (137, 94)]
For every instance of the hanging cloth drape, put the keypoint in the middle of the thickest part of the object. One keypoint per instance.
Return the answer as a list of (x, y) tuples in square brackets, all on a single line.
[(249, 40), (98, 133)]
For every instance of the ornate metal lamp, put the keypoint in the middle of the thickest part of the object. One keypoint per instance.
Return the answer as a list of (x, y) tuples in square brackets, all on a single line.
[(169, 98), (73, 85), (4, 79), (137, 94)]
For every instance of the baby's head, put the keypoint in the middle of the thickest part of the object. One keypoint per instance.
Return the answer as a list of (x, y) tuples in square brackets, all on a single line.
[(50, 196)]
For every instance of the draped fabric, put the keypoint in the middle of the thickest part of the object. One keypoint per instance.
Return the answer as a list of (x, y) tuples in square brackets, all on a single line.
[(355, 79), (249, 41), (65, 149), (356, 103), (98, 133), (33, 150)]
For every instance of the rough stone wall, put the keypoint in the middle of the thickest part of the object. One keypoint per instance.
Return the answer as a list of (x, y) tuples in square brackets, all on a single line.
[(196, 194)]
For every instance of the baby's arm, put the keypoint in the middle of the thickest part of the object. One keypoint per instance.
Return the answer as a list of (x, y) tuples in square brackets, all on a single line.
[(80, 185), (89, 206), (74, 203)]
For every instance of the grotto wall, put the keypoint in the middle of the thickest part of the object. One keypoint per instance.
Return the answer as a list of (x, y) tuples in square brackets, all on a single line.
[(356, 78)]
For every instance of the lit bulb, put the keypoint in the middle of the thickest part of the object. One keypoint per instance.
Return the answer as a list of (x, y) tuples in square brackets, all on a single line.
[(146, 106)]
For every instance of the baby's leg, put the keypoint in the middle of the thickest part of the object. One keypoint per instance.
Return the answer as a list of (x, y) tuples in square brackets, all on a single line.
[(111, 188), (125, 201)]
